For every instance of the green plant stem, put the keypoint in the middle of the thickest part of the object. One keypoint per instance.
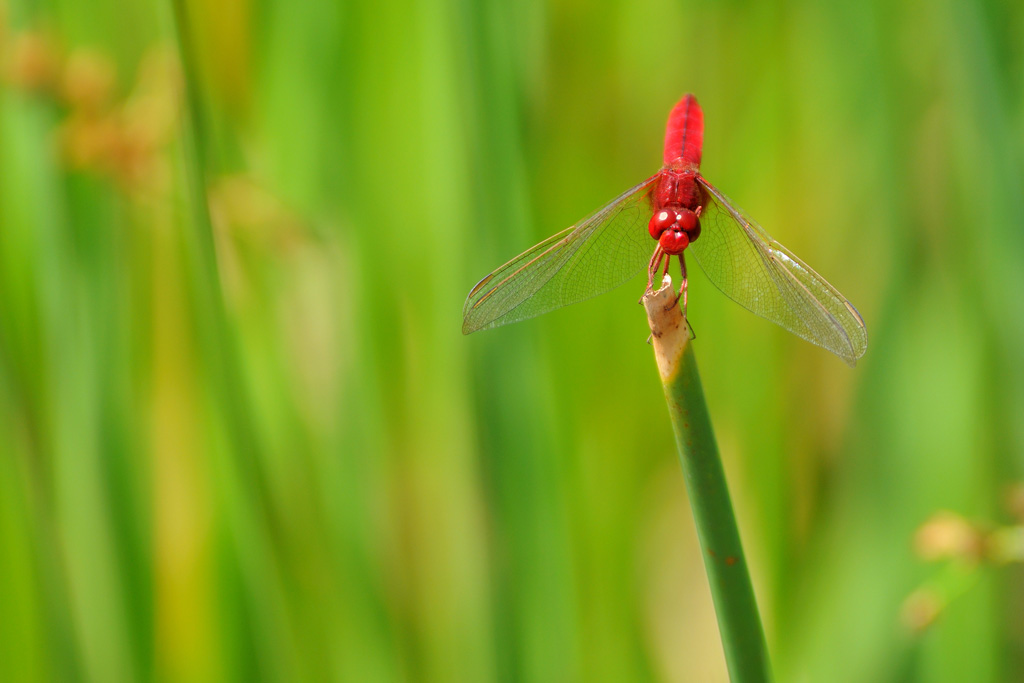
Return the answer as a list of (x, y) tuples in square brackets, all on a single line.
[(739, 623)]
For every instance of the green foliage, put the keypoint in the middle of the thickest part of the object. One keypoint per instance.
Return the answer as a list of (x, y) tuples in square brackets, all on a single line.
[(263, 449)]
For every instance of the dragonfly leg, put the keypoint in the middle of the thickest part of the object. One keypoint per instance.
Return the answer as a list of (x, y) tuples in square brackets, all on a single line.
[(652, 267), (682, 293), (682, 287)]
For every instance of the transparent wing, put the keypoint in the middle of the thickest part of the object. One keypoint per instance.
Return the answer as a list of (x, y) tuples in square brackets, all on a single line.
[(598, 254), (758, 273)]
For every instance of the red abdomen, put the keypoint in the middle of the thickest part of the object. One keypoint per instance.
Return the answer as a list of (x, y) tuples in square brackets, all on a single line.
[(684, 133)]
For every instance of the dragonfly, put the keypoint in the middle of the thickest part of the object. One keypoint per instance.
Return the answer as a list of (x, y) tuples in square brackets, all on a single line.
[(683, 213)]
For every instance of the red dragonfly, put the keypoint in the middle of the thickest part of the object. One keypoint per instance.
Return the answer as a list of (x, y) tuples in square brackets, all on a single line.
[(683, 212)]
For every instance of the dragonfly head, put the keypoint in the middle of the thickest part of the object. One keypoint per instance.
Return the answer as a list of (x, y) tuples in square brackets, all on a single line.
[(674, 228)]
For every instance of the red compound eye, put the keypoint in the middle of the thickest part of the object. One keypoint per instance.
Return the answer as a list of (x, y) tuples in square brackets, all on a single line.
[(674, 242), (694, 232), (660, 222), (689, 222)]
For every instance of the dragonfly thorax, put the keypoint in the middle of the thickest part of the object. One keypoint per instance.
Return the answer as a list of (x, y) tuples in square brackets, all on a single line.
[(678, 188)]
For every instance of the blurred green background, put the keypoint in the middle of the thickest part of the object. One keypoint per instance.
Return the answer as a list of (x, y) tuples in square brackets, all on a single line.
[(258, 447)]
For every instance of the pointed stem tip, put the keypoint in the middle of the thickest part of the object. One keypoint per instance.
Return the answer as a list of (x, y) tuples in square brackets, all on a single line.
[(669, 331)]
